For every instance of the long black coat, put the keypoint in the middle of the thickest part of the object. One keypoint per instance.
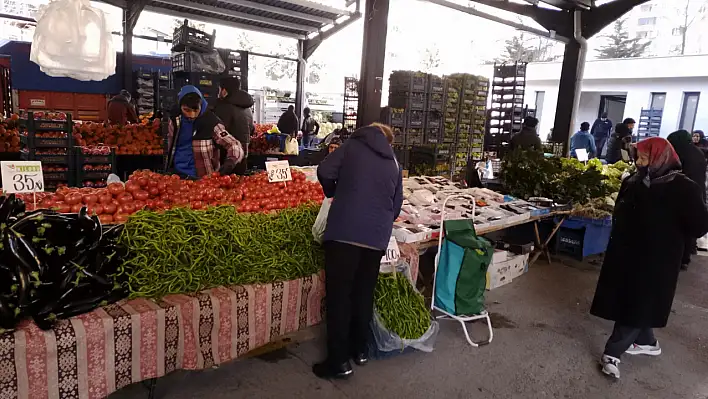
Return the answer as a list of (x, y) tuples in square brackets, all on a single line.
[(649, 227), (693, 162)]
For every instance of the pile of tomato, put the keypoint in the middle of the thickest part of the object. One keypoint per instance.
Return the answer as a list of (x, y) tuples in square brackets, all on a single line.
[(153, 191)]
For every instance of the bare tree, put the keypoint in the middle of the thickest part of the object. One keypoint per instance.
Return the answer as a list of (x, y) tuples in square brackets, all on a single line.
[(689, 11), (430, 59)]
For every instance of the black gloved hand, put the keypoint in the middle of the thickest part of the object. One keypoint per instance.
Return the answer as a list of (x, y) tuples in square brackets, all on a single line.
[(227, 167)]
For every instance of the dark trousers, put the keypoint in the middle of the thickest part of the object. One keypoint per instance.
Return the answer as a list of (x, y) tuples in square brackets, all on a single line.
[(689, 249), (623, 337), (599, 144), (350, 280)]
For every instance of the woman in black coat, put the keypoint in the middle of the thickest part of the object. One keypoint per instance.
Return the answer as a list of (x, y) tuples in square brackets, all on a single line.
[(693, 162), (657, 208)]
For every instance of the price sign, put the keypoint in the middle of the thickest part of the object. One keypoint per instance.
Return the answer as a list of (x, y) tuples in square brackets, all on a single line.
[(392, 252), (582, 154), (22, 176), (278, 171)]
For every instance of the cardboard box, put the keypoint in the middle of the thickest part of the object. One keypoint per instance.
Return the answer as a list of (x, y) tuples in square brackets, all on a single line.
[(502, 273)]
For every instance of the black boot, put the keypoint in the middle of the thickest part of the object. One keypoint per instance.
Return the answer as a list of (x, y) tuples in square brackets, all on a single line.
[(327, 371), (360, 358)]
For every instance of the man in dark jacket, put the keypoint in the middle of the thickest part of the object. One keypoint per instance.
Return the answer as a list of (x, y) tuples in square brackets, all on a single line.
[(120, 110), (310, 127), (601, 130), (620, 140), (364, 179), (288, 123), (233, 107), (527, 138)]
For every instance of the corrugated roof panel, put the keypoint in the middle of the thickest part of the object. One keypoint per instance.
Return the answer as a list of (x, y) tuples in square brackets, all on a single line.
[(285, 16), (302, 9), (228, 18)]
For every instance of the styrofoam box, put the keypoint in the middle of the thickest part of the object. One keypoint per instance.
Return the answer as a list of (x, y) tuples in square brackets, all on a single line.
[(502, 273)]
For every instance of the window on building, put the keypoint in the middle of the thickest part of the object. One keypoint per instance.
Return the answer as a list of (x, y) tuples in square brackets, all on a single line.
[(540, 99), (657, 100), (646, 7), (642, 34), (677, 31), (647, 21), (689, 110)]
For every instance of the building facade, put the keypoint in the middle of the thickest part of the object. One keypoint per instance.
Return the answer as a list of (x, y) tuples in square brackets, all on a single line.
[(678, 86)]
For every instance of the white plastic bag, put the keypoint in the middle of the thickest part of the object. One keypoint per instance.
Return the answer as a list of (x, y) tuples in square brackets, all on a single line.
[(388, 341), (73, 39), (321, 222), (291, 146)]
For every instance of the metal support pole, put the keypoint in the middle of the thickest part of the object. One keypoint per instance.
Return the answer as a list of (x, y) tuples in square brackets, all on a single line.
[(372, 61), (300, 76), (131, 13)]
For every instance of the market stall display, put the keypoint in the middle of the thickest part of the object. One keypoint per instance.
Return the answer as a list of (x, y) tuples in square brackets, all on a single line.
[(400, 307), (133, 139), (10, 136), (93, 165), (146, 92), (49, 141), (54, 266)]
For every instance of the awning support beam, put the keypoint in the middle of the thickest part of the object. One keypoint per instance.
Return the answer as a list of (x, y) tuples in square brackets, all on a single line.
[(131, 13), (373, 56), (313, 43)]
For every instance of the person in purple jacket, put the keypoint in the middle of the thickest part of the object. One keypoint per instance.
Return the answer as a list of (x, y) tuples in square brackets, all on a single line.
[(365, 181)]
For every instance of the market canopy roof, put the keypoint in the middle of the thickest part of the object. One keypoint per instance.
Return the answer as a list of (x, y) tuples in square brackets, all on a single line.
[(298, 19)]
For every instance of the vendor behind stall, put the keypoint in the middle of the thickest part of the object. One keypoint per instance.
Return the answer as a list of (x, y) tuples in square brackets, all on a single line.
[(195, 136)]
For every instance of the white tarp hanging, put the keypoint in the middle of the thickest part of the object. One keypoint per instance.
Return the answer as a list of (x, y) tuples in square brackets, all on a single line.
[(73, 39)]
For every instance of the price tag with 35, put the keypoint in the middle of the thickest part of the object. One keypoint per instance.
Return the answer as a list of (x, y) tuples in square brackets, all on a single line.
[(278, 171), (392, 252), (22, 176)]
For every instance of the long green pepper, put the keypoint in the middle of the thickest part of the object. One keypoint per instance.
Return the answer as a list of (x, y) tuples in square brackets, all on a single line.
[(186, 251), (401, 308)]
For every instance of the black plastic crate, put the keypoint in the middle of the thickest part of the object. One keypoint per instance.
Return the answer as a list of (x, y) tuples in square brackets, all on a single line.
[(31, 155), (435, 102), (402, 153), (399, 135), (185, 37), (408, 81), (206, 83), (436, 84), (407, 100), (394, 117), (433, 136), (414, 136), (570, 242), (433, 120), (91, 159), (415, 119)]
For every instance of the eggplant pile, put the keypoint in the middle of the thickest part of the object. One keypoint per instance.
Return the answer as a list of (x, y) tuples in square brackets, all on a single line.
[(55, 266)]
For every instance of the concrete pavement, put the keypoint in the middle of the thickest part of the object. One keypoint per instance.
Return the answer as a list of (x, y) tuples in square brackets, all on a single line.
[(546, 345)]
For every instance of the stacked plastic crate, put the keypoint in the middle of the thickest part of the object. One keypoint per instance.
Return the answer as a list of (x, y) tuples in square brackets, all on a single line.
[(49, 141), (189, 45), (351, 103), (507, 107)]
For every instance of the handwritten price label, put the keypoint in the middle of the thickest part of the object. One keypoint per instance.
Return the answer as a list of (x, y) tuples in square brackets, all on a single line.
[(22, 176), (278, 171), (392, 252)]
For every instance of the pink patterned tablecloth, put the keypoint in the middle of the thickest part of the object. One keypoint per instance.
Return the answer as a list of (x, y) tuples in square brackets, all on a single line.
[(409, 252), (95, 354)]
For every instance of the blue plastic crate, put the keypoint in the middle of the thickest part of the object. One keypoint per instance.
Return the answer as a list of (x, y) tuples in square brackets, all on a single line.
[(582, 237)]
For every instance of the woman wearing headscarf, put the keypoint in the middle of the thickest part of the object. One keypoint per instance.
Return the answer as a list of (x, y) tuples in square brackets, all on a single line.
[(656, 210), (699, 140), (693, 163)]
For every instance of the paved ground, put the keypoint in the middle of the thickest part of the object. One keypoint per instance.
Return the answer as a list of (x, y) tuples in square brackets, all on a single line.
[(545, 346)]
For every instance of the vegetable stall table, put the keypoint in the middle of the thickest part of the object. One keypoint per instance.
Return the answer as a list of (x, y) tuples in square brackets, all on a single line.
[(541, 247), (97, 353)]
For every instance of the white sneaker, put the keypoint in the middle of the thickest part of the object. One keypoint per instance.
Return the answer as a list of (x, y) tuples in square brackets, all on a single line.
[(649, 350), (610, 366)]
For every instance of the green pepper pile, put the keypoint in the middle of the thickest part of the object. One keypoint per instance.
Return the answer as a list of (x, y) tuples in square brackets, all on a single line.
[(401, 308), (186, 251)]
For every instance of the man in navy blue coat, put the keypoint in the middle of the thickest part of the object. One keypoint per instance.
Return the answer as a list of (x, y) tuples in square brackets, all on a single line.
[(601, 130), (364, 179)]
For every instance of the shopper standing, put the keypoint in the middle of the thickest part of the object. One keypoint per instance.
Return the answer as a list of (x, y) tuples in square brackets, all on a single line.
[(693, 163), (656, 210), (601, 129), (620, 140), (583, 139), (120, 110), (288, 122), (364, 179), (233, 107), (527, 138), (310, 128)]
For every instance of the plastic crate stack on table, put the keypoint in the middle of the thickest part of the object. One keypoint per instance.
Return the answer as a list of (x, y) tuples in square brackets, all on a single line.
[(93, 165), (49, 141), (195, 61), (146, 92)]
